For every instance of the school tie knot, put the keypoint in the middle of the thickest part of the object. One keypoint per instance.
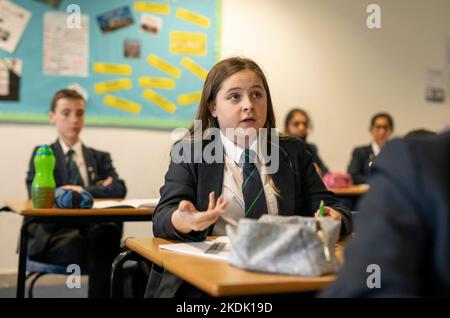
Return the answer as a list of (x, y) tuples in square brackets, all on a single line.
[(249, 157), (70, 154)]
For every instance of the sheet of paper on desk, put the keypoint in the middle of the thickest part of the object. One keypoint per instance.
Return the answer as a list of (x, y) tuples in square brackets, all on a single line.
[(218, 249), (134, 203)]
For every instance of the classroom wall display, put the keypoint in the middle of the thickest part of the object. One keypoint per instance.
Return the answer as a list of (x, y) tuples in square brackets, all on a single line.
[(139, 63)]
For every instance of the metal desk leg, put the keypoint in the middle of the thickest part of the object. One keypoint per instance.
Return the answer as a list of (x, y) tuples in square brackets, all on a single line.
[(23, 250)]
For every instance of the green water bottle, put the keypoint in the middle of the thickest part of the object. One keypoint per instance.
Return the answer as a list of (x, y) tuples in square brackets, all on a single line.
[(43, 186)]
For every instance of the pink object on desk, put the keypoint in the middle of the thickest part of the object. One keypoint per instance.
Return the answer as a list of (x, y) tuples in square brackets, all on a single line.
[(337, 180)]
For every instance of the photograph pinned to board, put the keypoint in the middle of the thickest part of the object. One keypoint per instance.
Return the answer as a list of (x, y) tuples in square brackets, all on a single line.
[(115, 19), (66, 50), (435, 86), (151, 23), (131, 49), (53, 3), (10, 74), (13, 21)]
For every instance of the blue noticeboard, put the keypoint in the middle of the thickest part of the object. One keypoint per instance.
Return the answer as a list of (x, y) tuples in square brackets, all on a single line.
[(159, 72)]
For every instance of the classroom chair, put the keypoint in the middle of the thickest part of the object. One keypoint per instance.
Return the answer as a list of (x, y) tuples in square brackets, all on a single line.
[(36, 270)]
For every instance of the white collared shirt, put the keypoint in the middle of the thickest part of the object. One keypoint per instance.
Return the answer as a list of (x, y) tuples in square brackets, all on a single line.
[(232, 183), (77, 157), (376, 149)]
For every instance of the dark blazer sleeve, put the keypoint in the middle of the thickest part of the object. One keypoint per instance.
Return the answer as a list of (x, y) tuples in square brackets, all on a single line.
[(180, 184), (117, 189), (30, 172), (389, 232), (357, 164), (313, 191)]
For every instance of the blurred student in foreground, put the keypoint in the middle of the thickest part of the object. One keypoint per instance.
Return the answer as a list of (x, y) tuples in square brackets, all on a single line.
[(402, 242)]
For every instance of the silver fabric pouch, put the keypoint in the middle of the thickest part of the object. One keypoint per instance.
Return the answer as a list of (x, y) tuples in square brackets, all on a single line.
[(292, 245)]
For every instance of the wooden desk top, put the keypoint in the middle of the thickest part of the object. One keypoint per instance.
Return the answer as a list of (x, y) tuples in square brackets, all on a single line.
[(355, 190), (218, 278), (24, 208)]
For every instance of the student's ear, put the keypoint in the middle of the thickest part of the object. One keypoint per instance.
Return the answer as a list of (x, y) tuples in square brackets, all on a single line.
[(212, 109), (52, 117)]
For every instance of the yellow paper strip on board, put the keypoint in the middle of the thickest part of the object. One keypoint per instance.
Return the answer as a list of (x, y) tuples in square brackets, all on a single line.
[(122, 104), (190, 98), (156, 82), (194, 68), (187, 43), (112, 86), (193, 17), (163, 66), (159, 100), (115, 69), (151, 7)]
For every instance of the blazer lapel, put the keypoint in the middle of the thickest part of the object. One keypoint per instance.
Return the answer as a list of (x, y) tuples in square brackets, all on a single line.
[(284, 180), (369, 151), (90, 165), (210, 178), (61, 174)]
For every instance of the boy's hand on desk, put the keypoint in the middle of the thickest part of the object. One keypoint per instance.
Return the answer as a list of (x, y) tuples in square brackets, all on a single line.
[(187, 218), (73, 187), (107, 182), (335, 215)]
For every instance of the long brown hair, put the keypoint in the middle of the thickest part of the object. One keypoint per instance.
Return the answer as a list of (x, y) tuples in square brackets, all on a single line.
[(213, 83)]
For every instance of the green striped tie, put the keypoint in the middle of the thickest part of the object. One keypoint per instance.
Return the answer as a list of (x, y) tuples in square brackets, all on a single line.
[(72, 169), (252, 187)]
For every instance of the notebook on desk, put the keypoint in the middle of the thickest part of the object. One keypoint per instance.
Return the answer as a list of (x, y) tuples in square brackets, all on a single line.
[(129, 203), (218, 249)]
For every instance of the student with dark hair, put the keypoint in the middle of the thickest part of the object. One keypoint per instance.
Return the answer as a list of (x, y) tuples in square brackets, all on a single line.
[(298, 123), (196, 193), (402, 242), (381, 128), (91, 246)]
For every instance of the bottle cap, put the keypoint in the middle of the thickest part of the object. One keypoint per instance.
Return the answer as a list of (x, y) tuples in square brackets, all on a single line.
[(44, 150)]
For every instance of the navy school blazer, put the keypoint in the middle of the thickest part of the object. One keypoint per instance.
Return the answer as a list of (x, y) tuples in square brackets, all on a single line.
[(405, 230), (300, 187), (359, 165)]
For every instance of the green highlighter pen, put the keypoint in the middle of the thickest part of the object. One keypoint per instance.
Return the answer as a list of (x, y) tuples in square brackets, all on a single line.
[(321, 209)]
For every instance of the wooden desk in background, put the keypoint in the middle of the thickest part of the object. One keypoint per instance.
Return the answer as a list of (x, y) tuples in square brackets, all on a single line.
[(351, 195), (353, 191), (24, 208), (218, 278)]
